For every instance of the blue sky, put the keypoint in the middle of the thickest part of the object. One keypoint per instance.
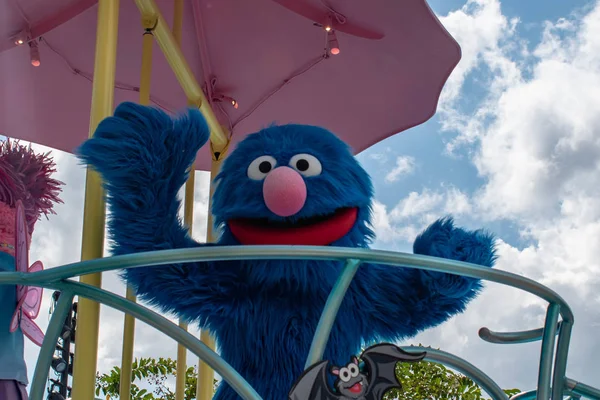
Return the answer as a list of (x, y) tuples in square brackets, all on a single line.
[(514, 149)]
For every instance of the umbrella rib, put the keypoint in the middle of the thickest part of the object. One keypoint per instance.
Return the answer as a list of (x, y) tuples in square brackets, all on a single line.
[(23, 15), (88, 77), (266, 97), (204, 57)]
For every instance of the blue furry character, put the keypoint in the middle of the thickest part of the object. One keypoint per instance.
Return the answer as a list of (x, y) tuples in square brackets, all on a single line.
[(290, 184)]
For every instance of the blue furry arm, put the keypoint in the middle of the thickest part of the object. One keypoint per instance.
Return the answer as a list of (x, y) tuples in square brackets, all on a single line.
[(144, 157), (404, 301)]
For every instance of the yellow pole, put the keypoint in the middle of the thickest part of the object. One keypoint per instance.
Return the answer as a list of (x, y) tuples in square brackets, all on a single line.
[(167, 43), (177, 20), (129, 325), (206, 376), (84, 370), (188, 218)]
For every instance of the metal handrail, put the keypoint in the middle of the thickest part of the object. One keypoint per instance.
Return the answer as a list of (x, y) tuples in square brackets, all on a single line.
[(551, 378)]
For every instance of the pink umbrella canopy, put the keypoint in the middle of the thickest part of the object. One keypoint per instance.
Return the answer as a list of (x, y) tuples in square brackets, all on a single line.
[(378, 71)]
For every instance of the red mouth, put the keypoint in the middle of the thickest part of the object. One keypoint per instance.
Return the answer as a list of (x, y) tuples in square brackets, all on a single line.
[(356, 388), (318, 231)]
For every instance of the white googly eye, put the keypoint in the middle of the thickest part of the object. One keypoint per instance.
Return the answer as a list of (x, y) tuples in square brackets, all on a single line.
[(353, 368), (345, 374), (260, 167), (306, 164)]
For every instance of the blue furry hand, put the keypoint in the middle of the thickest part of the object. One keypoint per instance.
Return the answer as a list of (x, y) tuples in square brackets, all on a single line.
[(442, 239), (139, 136)]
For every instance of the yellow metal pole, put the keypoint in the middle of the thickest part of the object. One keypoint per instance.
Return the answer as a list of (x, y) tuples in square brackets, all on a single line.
[(148, 23), (188, 218), (127, 356), (206, 376), (129, 325), (177, 20), (84, 370), (167, 43)]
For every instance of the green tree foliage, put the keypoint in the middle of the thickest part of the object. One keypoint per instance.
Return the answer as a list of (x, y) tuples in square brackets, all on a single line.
[(151, 372), (420, 381), (428, 380)]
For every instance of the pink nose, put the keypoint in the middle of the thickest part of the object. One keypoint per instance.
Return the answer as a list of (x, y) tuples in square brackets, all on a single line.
[(284, 191)]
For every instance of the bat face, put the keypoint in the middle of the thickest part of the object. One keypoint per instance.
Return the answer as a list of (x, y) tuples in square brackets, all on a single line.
[(351, 383), (355, 388)]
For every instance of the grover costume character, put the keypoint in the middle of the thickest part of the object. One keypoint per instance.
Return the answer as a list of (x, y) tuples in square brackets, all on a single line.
[(290, 184), (26, 191)]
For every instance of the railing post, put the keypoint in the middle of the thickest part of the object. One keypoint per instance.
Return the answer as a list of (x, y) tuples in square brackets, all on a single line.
[(317, 348), (560, 363), (547, 352)]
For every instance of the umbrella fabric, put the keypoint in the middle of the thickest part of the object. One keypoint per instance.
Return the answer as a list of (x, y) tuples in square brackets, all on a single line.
[(269, 56)]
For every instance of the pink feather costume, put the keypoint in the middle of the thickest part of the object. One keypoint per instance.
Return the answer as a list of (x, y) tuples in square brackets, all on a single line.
[(25, 177)]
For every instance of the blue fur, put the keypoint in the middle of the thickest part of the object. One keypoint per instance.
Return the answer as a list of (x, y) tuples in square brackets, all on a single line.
[(264, 313)]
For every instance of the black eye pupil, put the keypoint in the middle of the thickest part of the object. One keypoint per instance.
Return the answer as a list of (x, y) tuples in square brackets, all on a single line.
[(302, 165), (264, 167)]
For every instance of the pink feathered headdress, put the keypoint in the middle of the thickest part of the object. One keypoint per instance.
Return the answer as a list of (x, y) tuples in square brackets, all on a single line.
[(24, 176)]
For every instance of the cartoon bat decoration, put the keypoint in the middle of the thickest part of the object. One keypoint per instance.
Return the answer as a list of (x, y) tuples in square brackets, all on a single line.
[(352, 383)]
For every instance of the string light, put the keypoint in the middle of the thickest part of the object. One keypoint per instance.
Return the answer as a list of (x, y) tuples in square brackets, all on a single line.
[(21, 38), (230, 100), (332, 43), (328, 25), (34, 53)]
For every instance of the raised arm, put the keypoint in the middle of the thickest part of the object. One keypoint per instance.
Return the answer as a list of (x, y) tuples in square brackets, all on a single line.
[(400, 302), (143, 156)]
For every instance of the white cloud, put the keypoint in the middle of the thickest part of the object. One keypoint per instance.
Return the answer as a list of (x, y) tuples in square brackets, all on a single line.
[(389, 235), (479, 27), (413, 213), (485, 36), (428, 204), (404, 165), (457, 202), (542, 142), (416, 204)]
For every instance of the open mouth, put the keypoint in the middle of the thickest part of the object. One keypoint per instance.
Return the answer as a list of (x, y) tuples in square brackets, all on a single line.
[(356, 388), (314, 231)]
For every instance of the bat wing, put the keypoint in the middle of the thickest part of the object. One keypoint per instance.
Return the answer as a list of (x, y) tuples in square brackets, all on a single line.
[(380, 361), (312, 385)]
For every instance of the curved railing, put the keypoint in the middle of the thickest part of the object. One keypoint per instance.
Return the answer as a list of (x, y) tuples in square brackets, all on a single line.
[(552, 380)]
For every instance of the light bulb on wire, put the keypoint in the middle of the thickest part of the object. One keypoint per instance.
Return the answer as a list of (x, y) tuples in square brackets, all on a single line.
[(332, 43), (22, 37), (328, 25), (34, 53)]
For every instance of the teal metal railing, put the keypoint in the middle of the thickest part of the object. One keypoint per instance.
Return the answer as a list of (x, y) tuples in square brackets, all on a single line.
[(552, 381)]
